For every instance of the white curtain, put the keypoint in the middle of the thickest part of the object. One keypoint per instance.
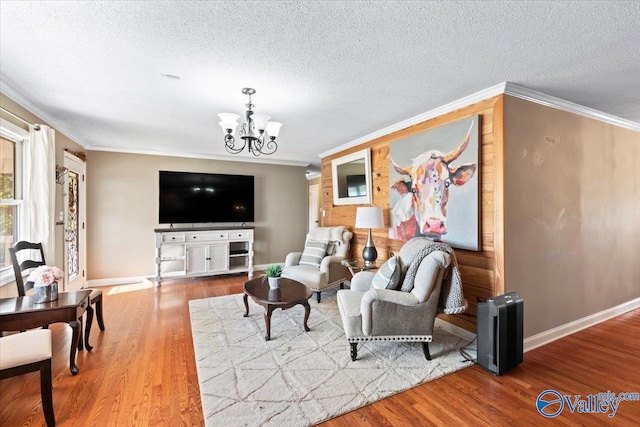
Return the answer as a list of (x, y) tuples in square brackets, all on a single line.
[(40, 188)]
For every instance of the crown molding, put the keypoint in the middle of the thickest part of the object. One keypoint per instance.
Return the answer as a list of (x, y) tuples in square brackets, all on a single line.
[(447, 108), (522, 92), (205, 156), (506, 88), (8, 89)]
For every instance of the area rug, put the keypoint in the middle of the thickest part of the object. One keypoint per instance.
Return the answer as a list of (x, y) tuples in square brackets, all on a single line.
[(300, 378)]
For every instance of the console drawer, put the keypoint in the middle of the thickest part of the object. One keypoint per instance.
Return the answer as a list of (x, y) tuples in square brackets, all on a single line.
[(207, 237), (240, 235), (172, 237)]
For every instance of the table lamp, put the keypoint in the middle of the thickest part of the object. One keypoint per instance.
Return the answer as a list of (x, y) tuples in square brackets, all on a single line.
[(369, 217)]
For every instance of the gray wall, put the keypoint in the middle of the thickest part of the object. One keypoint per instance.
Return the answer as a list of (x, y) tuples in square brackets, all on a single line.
[(572, 213), (122, 209)]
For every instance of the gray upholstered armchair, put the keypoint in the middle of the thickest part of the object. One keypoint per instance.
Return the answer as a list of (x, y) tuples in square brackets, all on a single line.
[(319, 267), (373, 310)]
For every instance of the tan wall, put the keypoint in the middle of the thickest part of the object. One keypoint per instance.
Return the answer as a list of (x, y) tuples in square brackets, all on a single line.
[(572, 220), (122, 196), (62, 142), (481, 271)]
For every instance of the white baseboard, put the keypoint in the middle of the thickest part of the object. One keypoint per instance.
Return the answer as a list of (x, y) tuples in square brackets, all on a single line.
[(546, 337), (530, 343), (261, 267), (551, 335), (151, 277), (455, 330)]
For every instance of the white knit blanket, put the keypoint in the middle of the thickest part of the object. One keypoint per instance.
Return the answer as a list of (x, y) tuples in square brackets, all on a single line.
[(327, 234), (452, 300)]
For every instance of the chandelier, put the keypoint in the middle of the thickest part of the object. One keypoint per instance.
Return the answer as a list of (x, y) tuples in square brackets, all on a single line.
[(254, 132)]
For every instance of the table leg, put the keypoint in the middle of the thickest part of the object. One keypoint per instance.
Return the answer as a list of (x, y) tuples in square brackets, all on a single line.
[(87, 328), (76, 326), (307, 310), (99, 313), (267, 321), (353, 273), (81, 340), (246, 305)]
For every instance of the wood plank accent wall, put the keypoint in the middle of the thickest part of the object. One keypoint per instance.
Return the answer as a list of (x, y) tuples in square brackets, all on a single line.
[(482, 272)]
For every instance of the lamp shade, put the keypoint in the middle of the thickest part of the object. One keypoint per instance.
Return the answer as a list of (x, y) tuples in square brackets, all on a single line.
[(273, 129), (260, 121), (369, 217), (228, 121)]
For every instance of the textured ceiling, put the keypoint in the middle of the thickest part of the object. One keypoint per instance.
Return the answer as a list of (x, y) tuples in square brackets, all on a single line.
[(332, 72)]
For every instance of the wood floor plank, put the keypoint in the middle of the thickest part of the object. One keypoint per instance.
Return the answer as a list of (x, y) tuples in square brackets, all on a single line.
[(142, 372)]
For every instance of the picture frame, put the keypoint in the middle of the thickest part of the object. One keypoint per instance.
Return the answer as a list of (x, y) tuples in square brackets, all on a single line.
[(434, 185), (351, 178)]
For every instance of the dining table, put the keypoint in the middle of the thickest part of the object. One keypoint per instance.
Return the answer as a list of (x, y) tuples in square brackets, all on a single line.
[(22, 313)]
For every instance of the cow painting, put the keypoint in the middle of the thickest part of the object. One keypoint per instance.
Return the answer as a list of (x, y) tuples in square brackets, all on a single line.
[(422, 188)]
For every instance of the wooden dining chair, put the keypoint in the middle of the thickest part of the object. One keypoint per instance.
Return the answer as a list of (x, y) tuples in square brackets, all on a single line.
[(27, 264), (19, 267), (95, 299), (30, 352)]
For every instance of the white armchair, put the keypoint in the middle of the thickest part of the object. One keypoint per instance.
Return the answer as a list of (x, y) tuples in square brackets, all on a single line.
[(370, 313), (328, 271)]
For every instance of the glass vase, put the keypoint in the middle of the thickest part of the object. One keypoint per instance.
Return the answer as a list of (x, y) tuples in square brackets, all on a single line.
[(46, 293)]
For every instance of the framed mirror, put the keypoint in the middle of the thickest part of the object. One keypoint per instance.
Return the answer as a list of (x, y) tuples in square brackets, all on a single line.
[(351, 176)]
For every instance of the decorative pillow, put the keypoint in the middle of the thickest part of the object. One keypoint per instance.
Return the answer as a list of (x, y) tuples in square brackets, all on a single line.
[(388, 275), (331, 246), (313, 253)]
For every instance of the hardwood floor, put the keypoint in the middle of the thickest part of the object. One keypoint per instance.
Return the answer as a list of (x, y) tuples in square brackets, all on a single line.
[(142, 372)]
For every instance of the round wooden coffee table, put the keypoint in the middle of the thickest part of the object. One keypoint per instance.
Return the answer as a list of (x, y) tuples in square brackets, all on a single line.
[(289, 293)]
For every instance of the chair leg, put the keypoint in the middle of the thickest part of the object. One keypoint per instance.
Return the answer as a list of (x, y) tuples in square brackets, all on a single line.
[(46, 392), (318, 296), (354, 351), (87, 328), (425, 349), (99, 313)]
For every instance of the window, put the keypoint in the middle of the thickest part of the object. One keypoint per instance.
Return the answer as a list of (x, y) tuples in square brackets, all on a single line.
[(12, 210), (8, 209)]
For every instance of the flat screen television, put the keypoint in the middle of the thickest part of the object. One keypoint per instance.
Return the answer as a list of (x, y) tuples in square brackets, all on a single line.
[(187, 197)]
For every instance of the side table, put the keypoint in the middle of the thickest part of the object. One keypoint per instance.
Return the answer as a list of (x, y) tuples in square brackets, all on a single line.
[(355, 265)]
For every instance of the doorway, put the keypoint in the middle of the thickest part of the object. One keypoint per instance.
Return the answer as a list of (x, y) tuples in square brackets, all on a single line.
[(313, 206), (74, 208)]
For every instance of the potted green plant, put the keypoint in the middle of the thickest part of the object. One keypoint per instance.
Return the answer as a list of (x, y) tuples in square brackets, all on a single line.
[(273, 273)]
